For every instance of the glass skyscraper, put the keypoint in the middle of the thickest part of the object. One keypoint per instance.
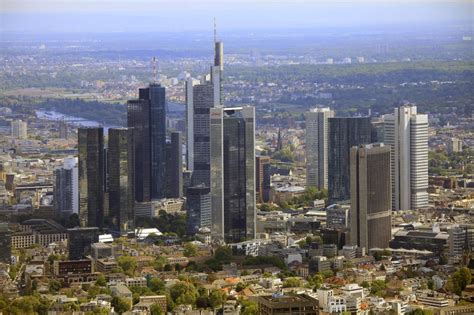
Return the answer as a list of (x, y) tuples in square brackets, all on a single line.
[(91, 176), (344, 133), (121, 169)]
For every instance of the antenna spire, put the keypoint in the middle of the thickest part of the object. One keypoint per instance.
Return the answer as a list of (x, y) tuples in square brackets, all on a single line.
[(215, 31), (154, 69)]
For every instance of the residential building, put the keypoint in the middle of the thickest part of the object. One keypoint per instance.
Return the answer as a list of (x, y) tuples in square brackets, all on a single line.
[(19, 129)]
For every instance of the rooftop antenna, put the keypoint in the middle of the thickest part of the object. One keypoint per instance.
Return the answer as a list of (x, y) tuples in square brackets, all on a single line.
[(154, 69), (215, 31)]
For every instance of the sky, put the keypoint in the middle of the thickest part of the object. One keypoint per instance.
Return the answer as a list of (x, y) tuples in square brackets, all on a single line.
[(45, 16)]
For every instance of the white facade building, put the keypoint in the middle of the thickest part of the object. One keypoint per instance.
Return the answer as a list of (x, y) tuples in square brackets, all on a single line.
[(406, 132), (317, 147), (19, 129)]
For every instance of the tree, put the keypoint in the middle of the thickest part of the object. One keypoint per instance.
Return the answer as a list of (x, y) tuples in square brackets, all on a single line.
[(184, 293), (190, 250), (216, 298), (156, 285), (249, 308), (101, 281), (155, 309), (121, 305), (128, 264), (291, 282), (54, 286), (223, 254)]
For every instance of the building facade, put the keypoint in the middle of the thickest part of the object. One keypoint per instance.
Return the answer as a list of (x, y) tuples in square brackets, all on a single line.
[(174, 166), (263, 178), (317, 147), (198, 215), (121, 170), (91, 176), (344, 133), (370, 212), (66, 188), (406, 132)]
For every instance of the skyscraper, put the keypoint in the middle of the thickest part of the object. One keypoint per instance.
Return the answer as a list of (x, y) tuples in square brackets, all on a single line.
[(174, 166), (317, 147), (189, 124), (203, 101), (370, 212), (19, 129), (66, 188), (80, 241), (344, 133), (262, 178), (233, 173), (155, 94), (198, 214), (121, 169), (91, 176), (406, 132), (138, 118)]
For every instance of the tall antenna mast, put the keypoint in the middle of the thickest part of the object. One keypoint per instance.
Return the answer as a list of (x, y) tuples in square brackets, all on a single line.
[(154, 69), (215, 31)]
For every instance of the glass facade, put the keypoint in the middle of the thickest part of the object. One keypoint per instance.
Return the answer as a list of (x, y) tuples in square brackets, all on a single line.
[(174, 166), (121, 179), (91, 176)]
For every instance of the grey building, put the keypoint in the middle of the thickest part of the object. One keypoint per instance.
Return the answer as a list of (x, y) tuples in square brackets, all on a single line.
[(91, 176), (66, 188), (344, 133), (233, 173), (138, 118), (121, 169), (174, 166), (370, 196), (198, 214), (317, 147), (337, 217)]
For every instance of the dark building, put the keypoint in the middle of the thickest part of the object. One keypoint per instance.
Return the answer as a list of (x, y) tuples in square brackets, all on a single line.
[(344, 133), (5, 243), (233, 173), (301, 304), (436, 242), (262, 178), (198, 214), (121, 168), (91, 176), (80, 241), (138, 113), (65, 196), (174, 166), (203, 101), (371, 198), (72, 267)]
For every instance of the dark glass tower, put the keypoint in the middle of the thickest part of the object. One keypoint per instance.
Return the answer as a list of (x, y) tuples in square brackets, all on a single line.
[(203, 101), (121, 179), (198, 214), (155, 94), (344, 133), (91, 176), (233, 173), (174, 166), (80, 241), (262, 177), (138, 118), (371, 199)]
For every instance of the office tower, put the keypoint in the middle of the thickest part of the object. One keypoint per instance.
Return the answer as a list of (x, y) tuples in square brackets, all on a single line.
[(344, 133), (198, 214), (138, 118), (406, 132), (80, 241), (174, 166), (121, 169), (19, 129), (189, 125), (217, 73), (454, 145), (203, 101), (63, 130), (317, 147), (5, 243), (457, 243), (370, 196), (233, 173), (66, 188), (262, 178), (155, 94), (91, 176)]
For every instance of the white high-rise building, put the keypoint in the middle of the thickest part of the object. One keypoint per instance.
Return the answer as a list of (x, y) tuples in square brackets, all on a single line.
[(66, 187), (317, 147), (406, 132), (19, 129)]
